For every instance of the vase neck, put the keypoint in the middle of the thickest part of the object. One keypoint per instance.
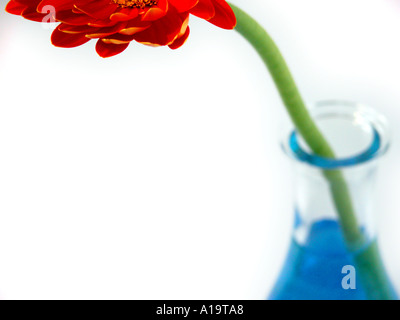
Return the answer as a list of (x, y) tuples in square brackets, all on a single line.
[(314, 202), (359, 137)]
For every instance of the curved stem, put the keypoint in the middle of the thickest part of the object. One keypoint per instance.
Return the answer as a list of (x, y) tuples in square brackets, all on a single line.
[(305, 125), (369, 264)]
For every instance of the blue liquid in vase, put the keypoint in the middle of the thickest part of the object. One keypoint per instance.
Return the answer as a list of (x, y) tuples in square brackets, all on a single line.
[(313, 271)]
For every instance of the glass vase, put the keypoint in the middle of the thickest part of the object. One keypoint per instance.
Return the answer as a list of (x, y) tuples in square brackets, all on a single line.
[(334, 254)]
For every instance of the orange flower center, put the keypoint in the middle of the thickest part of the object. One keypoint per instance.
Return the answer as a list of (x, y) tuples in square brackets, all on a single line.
[(141, 4)]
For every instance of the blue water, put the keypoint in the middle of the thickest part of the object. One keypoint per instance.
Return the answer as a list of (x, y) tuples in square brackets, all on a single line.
[(314, 271)]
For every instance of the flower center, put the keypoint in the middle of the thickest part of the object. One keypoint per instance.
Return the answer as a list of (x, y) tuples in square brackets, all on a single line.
[(141, 4)]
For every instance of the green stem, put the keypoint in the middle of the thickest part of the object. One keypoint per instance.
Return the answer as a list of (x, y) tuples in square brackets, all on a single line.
[(305, 125)]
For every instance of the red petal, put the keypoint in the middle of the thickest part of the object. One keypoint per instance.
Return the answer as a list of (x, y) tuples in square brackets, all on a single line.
[(58, 5), (125, 14), (15, 8), (102, 23), (66, 28), (69, 17), (29, 3), (204, 10), (163, 31), (179, 42), (135, 26), (106, 50), (183, 6), (224, 16), (32, 14), (157, 12), (118, 38), (104, 32), (67, 40), (99, 9)]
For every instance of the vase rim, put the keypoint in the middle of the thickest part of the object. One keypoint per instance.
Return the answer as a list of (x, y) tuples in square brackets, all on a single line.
[(377, 124)]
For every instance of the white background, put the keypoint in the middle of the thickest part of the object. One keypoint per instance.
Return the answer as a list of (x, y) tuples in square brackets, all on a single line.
[(157, 174)]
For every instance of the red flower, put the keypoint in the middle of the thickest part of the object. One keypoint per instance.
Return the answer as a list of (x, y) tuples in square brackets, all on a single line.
[(115, 23)]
